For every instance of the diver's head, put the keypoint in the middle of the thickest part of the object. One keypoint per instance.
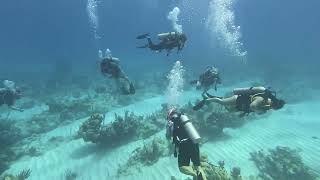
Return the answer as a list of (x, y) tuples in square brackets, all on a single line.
[(173, 114), (277, 103), (183, 37)]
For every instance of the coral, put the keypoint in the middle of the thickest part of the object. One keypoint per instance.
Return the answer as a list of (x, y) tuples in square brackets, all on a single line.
[(69, 175), (78, 108), (9, 133), (281, 163), (90, 129), (23, 175), (235, 173), (147, 155), (6, 157), (214, 172), (122, 129)]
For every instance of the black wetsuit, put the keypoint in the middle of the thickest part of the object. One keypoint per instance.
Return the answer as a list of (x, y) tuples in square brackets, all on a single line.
[(244, 101), (7, 97), (109, 66), (167, 43), (187, 149)]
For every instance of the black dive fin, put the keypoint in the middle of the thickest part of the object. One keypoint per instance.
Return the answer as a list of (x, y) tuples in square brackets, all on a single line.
[(199, 105), (143, 36)]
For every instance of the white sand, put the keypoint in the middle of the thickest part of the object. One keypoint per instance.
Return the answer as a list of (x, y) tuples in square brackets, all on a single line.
[(292, 126)]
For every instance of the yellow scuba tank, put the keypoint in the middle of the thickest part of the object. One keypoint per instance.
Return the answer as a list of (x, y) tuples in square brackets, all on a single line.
[(248, 91)]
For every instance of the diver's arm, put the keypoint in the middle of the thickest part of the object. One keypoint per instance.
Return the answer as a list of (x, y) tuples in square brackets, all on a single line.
[(169, 130)]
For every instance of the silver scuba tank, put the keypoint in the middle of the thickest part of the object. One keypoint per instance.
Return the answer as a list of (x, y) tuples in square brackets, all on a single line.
[(115, 59), (165, 35), (191, 131)]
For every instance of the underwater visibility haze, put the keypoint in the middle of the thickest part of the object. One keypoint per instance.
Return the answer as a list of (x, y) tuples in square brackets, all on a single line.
[(159, 89)]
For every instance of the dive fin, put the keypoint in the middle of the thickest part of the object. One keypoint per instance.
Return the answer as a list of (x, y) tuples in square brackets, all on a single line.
[(199, 105), (143, 36)]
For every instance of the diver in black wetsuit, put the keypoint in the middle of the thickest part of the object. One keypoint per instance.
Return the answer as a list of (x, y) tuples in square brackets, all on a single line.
[(207, 79), (111, 66), (168, 41), (186, 139), (9, 94), (246, 100)]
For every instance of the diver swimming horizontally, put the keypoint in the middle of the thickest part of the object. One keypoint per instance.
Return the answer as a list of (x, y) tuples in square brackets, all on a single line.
[(246, 100), (168, 41), (111, 66)]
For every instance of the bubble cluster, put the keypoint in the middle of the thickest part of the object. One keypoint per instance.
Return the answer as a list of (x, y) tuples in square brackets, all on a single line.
[(173, 17), (176, 82), (92, 11), (221, 21)]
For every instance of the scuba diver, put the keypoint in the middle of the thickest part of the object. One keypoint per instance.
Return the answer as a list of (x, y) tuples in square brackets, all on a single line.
[(186, 138), (207, 79), (9, 94), (168, 41), (110, 66), (246, 100)]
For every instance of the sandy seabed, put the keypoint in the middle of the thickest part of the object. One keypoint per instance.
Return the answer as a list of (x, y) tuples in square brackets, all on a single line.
[(293, 126)]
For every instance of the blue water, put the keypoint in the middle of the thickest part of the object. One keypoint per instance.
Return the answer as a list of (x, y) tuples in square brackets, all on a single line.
[(41, 32), (281, 39)]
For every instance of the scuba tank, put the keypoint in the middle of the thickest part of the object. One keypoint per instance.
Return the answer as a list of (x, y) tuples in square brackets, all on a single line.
[(189, 128), (248, 91), (166, 35), (185, 123)]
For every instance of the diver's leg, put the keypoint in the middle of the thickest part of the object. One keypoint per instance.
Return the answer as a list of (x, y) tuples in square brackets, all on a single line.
[(188, 170), (184, 160), (195, 158), (224, 101), (200, 172), (150, 43)]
